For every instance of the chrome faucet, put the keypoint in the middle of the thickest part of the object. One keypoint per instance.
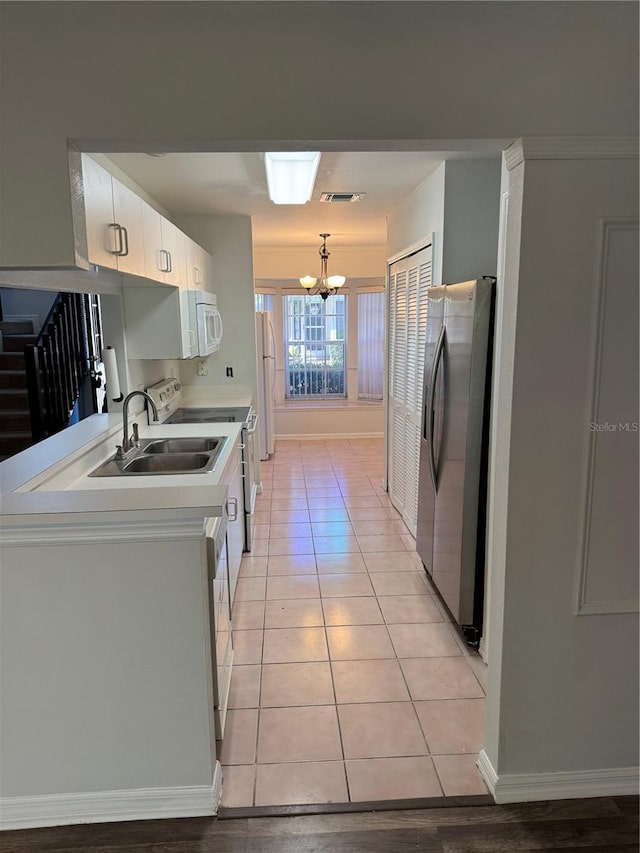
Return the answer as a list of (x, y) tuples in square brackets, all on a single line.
[(129, 443)]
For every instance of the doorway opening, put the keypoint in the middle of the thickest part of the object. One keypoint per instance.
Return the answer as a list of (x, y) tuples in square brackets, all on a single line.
[(333, 596)]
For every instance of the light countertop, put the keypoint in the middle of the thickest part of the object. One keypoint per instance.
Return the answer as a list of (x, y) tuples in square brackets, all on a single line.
[(51, 478)]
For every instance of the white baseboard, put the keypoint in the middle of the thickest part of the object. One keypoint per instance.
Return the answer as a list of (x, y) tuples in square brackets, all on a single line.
[(487, 772), (110, 806), (566, 785), (328, 436)]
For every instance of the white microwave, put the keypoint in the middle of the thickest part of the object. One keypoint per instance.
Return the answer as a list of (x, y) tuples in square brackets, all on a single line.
[(206, 320)]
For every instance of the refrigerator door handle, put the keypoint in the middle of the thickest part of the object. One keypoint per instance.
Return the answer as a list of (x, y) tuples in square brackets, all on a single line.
[(429, 413)]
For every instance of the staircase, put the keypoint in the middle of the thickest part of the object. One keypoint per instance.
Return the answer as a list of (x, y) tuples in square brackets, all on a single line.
[(15, 422)]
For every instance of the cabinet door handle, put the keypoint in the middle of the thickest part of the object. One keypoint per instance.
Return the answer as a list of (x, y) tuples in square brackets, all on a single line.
[(125, 243), (233, 502), (163, 264), (170, 262), (118, 234), (218, 329)]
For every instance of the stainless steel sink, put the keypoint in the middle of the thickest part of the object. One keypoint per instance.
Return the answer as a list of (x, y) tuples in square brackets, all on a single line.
[(166, 456), (167, 463), (183, 445)]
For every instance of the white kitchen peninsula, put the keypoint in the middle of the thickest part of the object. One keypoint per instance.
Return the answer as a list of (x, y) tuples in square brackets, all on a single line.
[(106, 700)]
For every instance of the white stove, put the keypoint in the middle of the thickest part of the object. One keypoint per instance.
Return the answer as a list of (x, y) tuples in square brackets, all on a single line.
[(167, 395)]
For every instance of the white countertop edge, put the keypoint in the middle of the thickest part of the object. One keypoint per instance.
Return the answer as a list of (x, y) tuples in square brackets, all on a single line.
[(115, 506), (100, 527)]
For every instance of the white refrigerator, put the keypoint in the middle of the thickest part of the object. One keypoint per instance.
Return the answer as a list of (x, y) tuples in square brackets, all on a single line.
[(266, 354)]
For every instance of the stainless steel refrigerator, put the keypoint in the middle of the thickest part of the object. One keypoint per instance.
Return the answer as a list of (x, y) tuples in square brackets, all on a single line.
[(454, 446), (266, 358)]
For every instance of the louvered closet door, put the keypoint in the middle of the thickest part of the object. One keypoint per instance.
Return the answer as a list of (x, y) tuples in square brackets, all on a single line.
[(409, 280), (397, 383)]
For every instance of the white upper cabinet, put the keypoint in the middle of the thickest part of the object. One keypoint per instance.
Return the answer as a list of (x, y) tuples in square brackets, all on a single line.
[(128, 211), (199, 267), (173, 254), (153, 258), (125, 233), (113, 221), (102, 242)]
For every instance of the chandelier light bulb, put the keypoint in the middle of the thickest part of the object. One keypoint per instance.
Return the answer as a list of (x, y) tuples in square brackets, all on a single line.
[(336, 280)]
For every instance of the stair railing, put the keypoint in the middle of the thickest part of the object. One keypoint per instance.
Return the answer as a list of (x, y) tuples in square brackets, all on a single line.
[(55, 366)]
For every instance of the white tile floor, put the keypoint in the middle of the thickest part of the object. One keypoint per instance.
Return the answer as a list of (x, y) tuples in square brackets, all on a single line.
[(350, 684)]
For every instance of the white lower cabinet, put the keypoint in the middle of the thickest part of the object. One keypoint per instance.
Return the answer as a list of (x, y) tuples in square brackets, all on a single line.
[(110, 661), (219, 619), (232, 479)]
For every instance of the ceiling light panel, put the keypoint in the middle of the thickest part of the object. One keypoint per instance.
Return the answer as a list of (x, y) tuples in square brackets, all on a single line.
[(291, 175)]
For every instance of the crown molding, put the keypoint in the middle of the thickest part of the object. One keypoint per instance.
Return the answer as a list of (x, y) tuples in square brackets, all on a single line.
[(571, 148)]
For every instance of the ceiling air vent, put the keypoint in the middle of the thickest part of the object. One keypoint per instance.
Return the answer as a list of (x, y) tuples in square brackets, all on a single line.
[(334, 198)]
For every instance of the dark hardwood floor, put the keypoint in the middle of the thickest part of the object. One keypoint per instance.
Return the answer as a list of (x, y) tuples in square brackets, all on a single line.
[(604, 825)]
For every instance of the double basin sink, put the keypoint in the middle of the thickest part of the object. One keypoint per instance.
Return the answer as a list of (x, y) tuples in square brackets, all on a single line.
[(166, 456)]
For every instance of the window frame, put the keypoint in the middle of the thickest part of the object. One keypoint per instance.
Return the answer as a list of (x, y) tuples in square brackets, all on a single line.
[(323, 342)]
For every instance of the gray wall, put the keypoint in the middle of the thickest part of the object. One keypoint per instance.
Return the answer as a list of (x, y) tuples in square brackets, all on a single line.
[(418, 216), (566, 681), (563, 692), (19, 302), (459, 205), (193, 76)]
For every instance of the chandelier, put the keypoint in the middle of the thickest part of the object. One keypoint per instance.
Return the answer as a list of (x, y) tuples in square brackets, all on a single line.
[(327, 285)]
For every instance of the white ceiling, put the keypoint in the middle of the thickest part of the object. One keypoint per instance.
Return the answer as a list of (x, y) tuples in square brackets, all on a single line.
[(228, 183)]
